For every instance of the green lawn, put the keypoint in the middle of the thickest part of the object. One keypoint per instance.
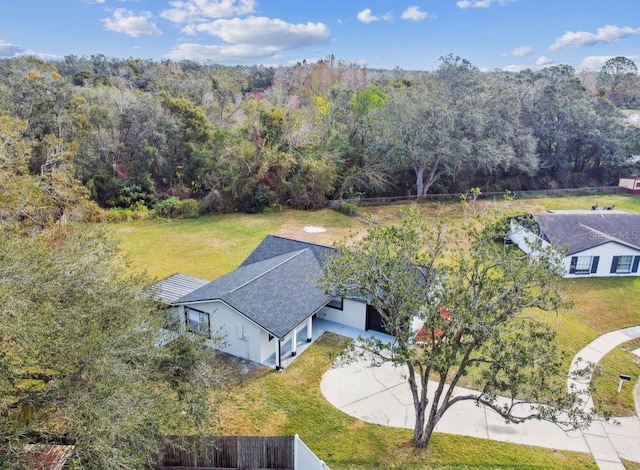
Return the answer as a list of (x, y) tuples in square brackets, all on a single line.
[(211, 246), (290, 402), (607, 375)]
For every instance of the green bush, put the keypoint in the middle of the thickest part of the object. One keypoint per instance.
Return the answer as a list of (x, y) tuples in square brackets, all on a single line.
[(118, 214), (176, 208)]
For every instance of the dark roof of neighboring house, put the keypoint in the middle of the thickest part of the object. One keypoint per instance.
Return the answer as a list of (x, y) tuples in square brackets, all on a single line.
[(175, 286), (274, 245), (581, 231), (277, 292)]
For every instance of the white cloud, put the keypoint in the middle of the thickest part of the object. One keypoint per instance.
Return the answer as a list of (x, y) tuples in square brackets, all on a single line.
[(367, 16), (249, 38), (10, 50), (415, 14), (124, 21), (261, 31), (482, 3), (543, 60), (520, 51), (607, 33), (190, 11), (223, 53), (594, 62), (514, 68)]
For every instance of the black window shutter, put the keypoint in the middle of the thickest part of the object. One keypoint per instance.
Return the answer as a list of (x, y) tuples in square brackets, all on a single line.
[(636, 262), (574, 262), (614, 264), (594, 264)]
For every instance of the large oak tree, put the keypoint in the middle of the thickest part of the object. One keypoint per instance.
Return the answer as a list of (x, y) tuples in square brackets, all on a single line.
[(477, 300)]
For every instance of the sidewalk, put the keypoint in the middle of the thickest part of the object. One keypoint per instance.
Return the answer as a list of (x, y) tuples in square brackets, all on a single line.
[(380, 395)]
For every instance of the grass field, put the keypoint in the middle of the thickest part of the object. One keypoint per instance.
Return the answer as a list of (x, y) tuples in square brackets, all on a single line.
[(211, 246), (290, 401)]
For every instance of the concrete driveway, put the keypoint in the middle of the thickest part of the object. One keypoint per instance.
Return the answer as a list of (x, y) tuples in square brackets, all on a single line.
[(381, 395)]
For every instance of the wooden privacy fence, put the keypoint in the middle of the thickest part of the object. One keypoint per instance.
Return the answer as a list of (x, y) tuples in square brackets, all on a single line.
[(229, 452)]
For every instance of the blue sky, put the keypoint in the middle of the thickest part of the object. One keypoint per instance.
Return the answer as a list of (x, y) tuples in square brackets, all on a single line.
[(409, 34)]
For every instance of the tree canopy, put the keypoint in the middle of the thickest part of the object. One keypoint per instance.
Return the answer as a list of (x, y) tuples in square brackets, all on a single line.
[(457, 305), (137, 132), (80, 361), (80, 355)]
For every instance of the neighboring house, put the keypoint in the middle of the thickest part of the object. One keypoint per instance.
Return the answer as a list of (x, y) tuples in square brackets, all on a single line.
[(630, 184), (266, 307), (593, 243)]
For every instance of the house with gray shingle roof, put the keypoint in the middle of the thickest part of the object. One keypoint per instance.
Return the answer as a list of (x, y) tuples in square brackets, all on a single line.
[(262, 308), (593, 243)]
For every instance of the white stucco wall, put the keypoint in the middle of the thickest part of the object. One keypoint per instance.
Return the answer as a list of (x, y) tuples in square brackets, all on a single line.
[(241, 336), (606, 252), (352, 314)]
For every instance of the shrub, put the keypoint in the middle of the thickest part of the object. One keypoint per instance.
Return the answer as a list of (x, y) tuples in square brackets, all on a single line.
[(255, 201), (176, 208)]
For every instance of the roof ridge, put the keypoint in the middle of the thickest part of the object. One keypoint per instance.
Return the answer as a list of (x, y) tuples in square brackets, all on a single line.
[(300, 241), (289, 258), (608, 236)]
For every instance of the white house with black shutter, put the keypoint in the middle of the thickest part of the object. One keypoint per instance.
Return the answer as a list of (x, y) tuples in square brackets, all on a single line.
[(594, 243), (265, 310)]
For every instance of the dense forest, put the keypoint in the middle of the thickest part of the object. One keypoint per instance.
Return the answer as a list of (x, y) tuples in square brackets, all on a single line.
[(136, 133)]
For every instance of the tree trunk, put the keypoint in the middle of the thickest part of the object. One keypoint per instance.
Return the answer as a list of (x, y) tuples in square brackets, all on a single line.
[(434, 174), (420, 180), (427, 432), (435, 413), (420, 403)]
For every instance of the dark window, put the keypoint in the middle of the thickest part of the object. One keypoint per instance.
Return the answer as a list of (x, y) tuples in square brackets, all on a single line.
[(622, 264), (337, 303), (584, 264), (173, 319), (198, 322)]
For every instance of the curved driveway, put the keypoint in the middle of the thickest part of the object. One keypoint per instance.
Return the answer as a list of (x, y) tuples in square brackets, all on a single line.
[(380, 395)]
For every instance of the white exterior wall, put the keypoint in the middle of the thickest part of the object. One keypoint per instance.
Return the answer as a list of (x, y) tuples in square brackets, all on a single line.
[(353, 314), (227, 322), (527, 242), (606, 252), (525, 239)]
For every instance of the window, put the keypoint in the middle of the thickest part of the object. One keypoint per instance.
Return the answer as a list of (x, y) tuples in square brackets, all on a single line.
[(336, 303), (198, 322), (174, 318), (624, 264), (584, 264)]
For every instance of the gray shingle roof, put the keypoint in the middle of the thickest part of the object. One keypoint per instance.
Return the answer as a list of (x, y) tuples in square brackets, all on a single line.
[(277, 292), (175, 286), (274, 245), (581, 231)]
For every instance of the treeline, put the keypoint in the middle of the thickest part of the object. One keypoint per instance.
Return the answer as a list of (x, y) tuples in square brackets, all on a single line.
[(183, 136)]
